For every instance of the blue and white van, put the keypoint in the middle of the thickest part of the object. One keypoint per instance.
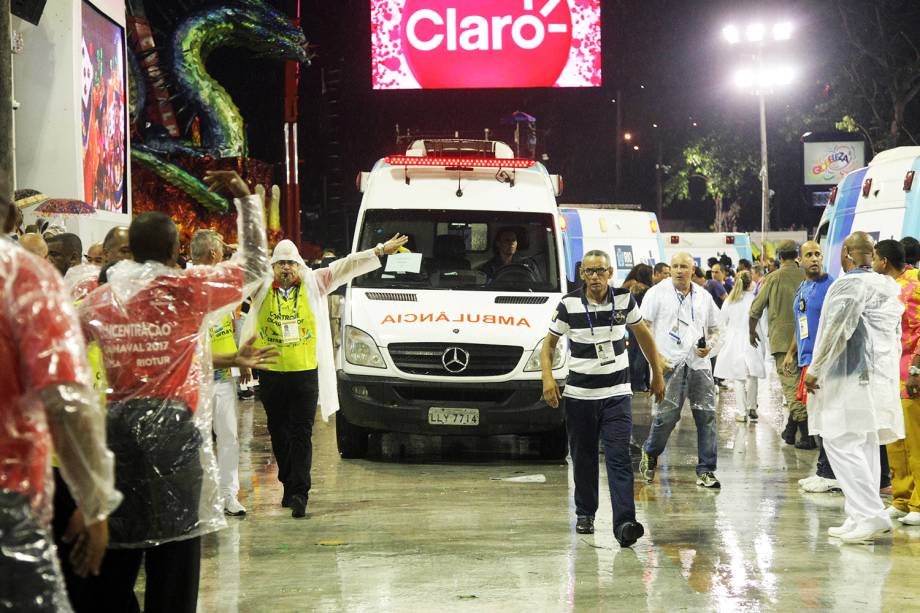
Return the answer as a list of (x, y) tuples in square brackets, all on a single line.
[(630, 237), (704, 245), (882, 199)]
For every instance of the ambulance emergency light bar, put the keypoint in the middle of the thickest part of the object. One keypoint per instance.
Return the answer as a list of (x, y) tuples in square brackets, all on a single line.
[(450, 44), (445, 162)]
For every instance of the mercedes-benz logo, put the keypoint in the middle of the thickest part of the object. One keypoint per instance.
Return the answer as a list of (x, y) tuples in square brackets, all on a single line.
[(455, 360)]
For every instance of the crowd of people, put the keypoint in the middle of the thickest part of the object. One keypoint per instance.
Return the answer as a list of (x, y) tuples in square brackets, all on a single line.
[(846, 353), (124, 362), (118, 426)]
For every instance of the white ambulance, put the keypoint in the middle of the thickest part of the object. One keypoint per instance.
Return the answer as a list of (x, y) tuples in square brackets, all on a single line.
[(445, 339), (704, 245), (628, 234), (882, 199)]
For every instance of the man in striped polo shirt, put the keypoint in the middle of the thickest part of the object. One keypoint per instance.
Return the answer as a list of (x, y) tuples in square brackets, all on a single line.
[(597, 391)]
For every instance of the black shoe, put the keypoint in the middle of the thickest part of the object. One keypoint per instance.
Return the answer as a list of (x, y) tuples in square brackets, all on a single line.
[(752, 415), (298, 506), (246, 394), (584, 525), (805, 442), (789, 433), (286, 501), (628, 533)]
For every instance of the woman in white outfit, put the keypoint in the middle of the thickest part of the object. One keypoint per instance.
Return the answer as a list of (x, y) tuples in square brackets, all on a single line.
[(738, 361)]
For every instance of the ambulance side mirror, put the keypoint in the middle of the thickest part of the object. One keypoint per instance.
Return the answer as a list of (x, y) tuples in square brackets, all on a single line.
[(361, 181), (557, 182)]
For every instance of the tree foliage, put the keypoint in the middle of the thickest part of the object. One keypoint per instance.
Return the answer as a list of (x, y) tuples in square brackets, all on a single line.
[(727, 167), (877, 83)]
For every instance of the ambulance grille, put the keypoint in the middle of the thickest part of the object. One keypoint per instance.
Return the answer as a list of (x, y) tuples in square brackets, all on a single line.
[(396, 297), (427, 359), (521, 299)]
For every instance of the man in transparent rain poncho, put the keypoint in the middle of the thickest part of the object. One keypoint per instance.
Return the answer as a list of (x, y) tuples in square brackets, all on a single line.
[(854, 376), (149, 321), (45, 396)]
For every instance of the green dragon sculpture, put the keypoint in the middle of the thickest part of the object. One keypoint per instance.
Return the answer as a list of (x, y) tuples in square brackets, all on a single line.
[(249, 24)]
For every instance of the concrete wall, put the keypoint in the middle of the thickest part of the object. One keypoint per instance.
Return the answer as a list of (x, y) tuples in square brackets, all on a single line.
[(47, 85)]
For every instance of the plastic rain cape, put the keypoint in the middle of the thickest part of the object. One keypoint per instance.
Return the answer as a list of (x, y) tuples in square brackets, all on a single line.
[(318, 285), (151, 323), (44, 360), (856, 357), (80, 280)]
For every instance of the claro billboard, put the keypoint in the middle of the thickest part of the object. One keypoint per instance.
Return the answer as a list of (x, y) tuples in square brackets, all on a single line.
[(443, 44)]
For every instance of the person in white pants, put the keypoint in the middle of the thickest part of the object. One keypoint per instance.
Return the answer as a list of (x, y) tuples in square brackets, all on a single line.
[(854, 376), (738, 361), (207, 249)]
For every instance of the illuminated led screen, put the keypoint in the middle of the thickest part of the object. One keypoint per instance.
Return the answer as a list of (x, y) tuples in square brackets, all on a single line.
[(104, 138), (443, 44)]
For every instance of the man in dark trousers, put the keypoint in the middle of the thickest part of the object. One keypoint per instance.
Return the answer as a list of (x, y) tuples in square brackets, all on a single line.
[(149, 320), (597, 393), (45, 398), (777, 295), (292, 315)]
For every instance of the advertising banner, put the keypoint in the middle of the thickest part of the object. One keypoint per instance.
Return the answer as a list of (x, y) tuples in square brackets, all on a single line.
[(827, 162), (443, 44), (104, 118)]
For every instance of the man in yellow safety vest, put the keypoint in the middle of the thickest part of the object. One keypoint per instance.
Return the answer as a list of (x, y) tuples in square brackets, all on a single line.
[(293, 316)]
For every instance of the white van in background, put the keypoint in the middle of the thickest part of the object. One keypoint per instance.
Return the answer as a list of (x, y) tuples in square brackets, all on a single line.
[(441, 339), (629, 235), (882, 199), (704, 245)]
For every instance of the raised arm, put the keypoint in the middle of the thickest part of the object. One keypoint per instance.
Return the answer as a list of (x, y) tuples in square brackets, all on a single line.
[(354, 265), (252, 255)]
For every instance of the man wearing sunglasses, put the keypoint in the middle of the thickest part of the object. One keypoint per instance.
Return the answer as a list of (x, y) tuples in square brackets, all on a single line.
[(598, 392), (684, 321)]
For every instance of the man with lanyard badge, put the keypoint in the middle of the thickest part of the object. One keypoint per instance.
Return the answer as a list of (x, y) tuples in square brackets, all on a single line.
[(809, 299), (292, 315), (597, 391), (207, 249), (684, 321)]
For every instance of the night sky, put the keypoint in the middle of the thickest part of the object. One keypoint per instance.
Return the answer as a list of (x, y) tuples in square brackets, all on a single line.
[(666, 58)]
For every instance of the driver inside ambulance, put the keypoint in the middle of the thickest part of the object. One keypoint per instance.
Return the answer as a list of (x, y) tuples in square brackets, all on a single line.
[(507, 258)]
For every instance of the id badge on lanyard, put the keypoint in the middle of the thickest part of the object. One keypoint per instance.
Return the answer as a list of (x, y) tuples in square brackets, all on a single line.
[(290, 331), (605, 352), (803, 327)]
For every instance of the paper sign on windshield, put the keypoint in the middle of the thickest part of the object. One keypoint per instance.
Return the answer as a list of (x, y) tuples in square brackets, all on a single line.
[(404, 262)]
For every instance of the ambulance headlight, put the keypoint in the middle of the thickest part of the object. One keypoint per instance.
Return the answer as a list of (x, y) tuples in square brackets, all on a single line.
[(361, 350), (558, 356)]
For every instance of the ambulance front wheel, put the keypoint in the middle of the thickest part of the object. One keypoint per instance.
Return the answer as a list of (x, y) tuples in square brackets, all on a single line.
[(351, 439), (554, 445)]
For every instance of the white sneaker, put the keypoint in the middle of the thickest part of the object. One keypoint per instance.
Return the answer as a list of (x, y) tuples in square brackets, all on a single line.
[(895, 513), (820, 485), (802, 482), (911, 519), (864, 534), (740, 417), (839, 531), (233, 508)]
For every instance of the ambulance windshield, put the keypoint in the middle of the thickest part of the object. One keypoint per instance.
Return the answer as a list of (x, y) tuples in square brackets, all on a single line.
[(470, 250)]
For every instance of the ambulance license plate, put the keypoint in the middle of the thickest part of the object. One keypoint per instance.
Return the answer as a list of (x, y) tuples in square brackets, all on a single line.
[(441, 416)]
